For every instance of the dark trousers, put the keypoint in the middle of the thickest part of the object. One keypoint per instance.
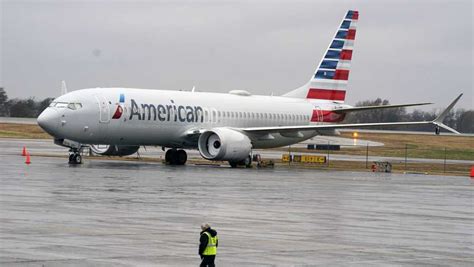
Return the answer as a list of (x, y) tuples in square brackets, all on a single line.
[(208, 261)]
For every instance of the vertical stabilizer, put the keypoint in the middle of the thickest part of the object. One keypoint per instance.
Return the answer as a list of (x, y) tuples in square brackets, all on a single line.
[(63, 88), (329, 81)]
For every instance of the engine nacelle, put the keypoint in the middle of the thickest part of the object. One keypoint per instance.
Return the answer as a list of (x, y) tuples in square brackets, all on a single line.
[(113, 150), (224, 144)]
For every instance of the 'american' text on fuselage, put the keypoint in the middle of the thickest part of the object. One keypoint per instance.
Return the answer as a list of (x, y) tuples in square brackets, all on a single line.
[(170, 112)]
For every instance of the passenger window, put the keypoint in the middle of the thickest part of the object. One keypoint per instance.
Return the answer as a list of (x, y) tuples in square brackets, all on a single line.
[(214, 116)]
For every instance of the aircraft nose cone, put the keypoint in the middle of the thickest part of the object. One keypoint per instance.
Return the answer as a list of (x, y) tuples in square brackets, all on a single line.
[(49, 120)]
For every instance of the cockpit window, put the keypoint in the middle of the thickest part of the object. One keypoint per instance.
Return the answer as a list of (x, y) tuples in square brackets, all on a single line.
[(74, 106), (61, 105)]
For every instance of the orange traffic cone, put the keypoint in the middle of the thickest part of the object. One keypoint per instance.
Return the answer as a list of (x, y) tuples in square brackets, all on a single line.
[(23, 153), (27, 160), (472, 172)]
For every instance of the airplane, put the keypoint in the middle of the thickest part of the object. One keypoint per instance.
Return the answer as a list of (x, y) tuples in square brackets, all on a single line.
[(222, 126)]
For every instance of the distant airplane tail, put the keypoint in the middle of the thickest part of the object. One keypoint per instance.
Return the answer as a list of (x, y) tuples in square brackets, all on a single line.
[(329, 81)]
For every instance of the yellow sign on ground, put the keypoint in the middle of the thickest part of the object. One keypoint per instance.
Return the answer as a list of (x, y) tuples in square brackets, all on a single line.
[(313, 159), (303, 158), (285, 158), (296, 158)]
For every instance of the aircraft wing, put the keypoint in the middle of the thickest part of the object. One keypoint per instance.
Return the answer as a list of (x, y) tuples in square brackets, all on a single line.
[(352, 109), (285, 129)]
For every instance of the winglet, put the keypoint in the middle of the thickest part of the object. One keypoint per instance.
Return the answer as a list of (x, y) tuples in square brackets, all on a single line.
[(439, 120), (63, 88)]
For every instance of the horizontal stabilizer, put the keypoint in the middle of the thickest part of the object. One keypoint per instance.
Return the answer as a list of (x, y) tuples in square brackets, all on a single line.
[(354, 109), (439, 120)]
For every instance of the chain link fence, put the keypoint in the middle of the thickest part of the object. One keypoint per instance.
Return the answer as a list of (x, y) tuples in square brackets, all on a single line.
[(408, 158)]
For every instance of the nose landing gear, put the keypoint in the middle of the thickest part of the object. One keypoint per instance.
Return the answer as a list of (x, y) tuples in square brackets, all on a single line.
[(75, 157), (176, 157)]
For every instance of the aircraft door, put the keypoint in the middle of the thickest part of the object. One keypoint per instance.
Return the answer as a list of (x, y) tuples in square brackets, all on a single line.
[(104, 109), (104, 117)]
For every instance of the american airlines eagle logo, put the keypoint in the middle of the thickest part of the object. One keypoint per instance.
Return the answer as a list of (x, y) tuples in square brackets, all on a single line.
[(119, 111)]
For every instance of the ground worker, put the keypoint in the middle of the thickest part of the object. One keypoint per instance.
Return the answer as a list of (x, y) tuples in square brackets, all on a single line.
[(207, 245)]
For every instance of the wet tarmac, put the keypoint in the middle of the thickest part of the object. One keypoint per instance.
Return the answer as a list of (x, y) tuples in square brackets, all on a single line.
[(112, 213)]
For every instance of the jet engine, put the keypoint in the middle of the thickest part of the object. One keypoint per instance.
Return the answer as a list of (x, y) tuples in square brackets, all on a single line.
[(113, 150), (224, 144)]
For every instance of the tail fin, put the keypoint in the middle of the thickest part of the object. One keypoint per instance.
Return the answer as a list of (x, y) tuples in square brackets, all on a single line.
[(63, 88), (329, 81)]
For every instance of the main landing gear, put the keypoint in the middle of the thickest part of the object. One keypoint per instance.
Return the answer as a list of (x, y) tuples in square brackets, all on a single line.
[(176, 157), (75, 157), (247, 162)]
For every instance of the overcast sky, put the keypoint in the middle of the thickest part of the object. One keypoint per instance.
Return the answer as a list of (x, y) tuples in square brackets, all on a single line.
[(405, 51)]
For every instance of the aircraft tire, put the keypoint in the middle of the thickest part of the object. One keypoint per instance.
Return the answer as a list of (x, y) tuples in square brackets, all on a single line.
[(168, 156), (181, 157), (171, 156), (77, 158), (176, 157), (233, 164), (248, 162)]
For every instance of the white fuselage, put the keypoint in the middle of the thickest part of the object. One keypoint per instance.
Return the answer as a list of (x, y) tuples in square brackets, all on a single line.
[(168, 118)]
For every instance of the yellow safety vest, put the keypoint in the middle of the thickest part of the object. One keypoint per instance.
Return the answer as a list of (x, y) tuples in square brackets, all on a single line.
[(211, 248)]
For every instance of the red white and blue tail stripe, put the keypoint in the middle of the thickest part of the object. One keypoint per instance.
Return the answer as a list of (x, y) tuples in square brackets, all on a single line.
[(329, 82)]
